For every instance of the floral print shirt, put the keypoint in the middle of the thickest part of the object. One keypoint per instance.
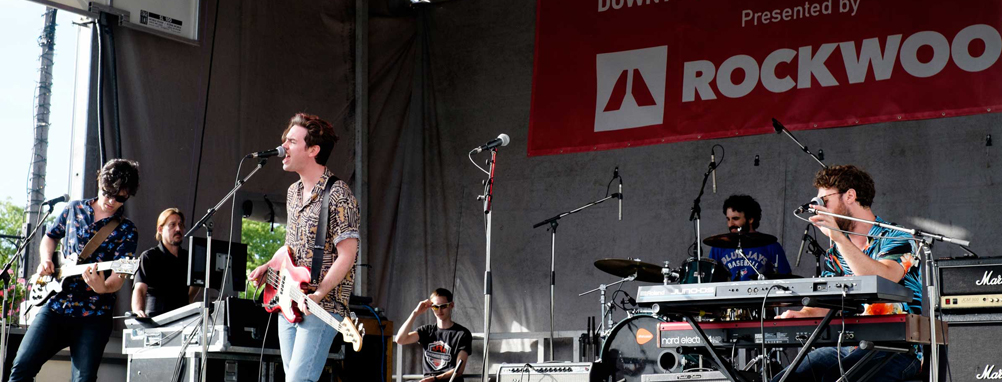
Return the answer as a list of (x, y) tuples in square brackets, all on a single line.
[(76, 225), (892, 245)]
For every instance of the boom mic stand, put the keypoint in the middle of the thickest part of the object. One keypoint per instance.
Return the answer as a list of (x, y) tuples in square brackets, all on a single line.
[(782, 129), (553, 246), (925, 242), (206, 222)]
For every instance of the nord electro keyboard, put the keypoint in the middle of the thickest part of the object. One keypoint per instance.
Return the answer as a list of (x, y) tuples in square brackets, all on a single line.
[(853, 289), (890, 329)]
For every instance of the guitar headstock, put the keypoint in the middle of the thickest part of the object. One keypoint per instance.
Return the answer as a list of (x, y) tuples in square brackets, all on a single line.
[(352, 331), (125, 266)]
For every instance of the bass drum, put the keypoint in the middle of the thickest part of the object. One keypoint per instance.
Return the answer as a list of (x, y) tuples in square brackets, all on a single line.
[(631, 350)]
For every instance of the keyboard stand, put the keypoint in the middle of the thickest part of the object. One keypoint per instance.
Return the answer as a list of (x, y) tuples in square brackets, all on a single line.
[(725, 367), (832, 310)]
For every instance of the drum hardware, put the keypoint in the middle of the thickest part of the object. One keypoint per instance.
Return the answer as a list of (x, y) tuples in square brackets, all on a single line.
[(741, 253), (669, 274), (601, 288)]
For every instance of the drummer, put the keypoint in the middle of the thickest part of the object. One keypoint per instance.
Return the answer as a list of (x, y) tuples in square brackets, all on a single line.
[(742, 211)]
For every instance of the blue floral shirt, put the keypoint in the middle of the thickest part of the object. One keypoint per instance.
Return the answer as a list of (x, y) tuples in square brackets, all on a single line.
[(895, 246), (76, 224)]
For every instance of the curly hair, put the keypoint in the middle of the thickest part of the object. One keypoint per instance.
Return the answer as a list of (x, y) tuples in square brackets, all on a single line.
[(318, 132), (118, 175), (845, 177), (746, 205)]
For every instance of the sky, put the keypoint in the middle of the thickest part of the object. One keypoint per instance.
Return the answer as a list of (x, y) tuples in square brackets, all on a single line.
[(21, 23)]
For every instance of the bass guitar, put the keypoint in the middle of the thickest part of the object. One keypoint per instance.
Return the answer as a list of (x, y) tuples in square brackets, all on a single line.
[(283, 292), (42, 288)]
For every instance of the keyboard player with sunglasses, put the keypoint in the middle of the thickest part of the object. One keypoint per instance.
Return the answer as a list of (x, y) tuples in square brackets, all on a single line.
[(870, 250), (444, 343)]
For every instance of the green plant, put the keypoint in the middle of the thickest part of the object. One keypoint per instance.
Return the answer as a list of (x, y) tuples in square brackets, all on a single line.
[(262, 240)]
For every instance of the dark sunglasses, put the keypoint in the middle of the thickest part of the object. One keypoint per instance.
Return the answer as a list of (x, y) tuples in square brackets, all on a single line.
[(117, 198), (443, 306)]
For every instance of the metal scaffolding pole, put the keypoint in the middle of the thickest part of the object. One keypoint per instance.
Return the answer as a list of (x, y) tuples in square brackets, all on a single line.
[(39, 150)]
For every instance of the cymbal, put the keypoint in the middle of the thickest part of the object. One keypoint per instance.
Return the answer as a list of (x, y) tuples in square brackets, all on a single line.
[(748, 240), (623, 268)]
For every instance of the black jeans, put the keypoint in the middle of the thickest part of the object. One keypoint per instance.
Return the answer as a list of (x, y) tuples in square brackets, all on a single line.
[(52, 332)]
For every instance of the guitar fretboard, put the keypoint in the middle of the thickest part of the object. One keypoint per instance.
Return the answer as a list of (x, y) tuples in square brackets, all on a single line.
[(74, 270)]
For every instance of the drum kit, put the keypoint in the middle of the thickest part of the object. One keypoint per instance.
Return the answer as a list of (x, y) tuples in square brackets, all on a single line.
[(624, 352)]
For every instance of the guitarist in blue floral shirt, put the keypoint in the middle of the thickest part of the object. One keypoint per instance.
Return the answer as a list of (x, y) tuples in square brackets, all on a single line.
[(79, 317)]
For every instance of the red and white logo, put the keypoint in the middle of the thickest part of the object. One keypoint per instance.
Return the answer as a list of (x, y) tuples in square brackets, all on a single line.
[(630, 88)]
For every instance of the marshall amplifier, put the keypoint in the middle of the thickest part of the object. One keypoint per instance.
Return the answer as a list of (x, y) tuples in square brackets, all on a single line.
[(970, 283), (548, 372), (968, 357)]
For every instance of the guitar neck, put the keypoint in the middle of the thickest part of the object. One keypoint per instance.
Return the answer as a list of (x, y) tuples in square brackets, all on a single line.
[(76, 270)]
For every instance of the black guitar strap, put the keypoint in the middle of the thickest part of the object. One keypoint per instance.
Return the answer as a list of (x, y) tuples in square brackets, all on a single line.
[(321, 238)]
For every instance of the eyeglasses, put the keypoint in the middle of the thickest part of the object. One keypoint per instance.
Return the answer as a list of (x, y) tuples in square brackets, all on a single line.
[(117, 198), (443, 306), (825, 198)]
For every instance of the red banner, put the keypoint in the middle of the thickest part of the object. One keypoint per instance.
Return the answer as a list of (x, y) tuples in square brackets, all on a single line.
[(620, 73)]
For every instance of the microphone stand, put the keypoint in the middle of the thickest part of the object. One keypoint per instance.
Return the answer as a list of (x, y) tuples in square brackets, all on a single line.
[(925, 242), (17, 258), (782, 129), (694, 217), (206, 222), (553, 250), (488, 199), (815, 250)]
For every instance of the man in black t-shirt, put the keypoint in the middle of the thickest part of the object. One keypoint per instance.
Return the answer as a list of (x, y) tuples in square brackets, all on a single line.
[(161, 283), (445, 343)]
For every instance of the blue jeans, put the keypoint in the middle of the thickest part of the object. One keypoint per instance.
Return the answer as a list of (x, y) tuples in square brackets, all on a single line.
[(52, 332), (821, 365), (305, 346)]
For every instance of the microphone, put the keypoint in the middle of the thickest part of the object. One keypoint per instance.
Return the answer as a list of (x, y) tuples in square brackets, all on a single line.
[(713, 169), (275, 152), (501, 140), (54, 201), (816, 201), (802, 242)]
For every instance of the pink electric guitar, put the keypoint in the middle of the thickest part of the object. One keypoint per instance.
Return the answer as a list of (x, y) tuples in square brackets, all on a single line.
[(283, 292)]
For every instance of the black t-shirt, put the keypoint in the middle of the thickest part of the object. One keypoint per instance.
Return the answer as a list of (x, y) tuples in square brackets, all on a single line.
[(165, 276), (442, 347)]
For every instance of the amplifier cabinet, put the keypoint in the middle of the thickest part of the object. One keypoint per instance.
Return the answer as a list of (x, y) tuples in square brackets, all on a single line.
[(970, 283), (970, 357), (547, 372)]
